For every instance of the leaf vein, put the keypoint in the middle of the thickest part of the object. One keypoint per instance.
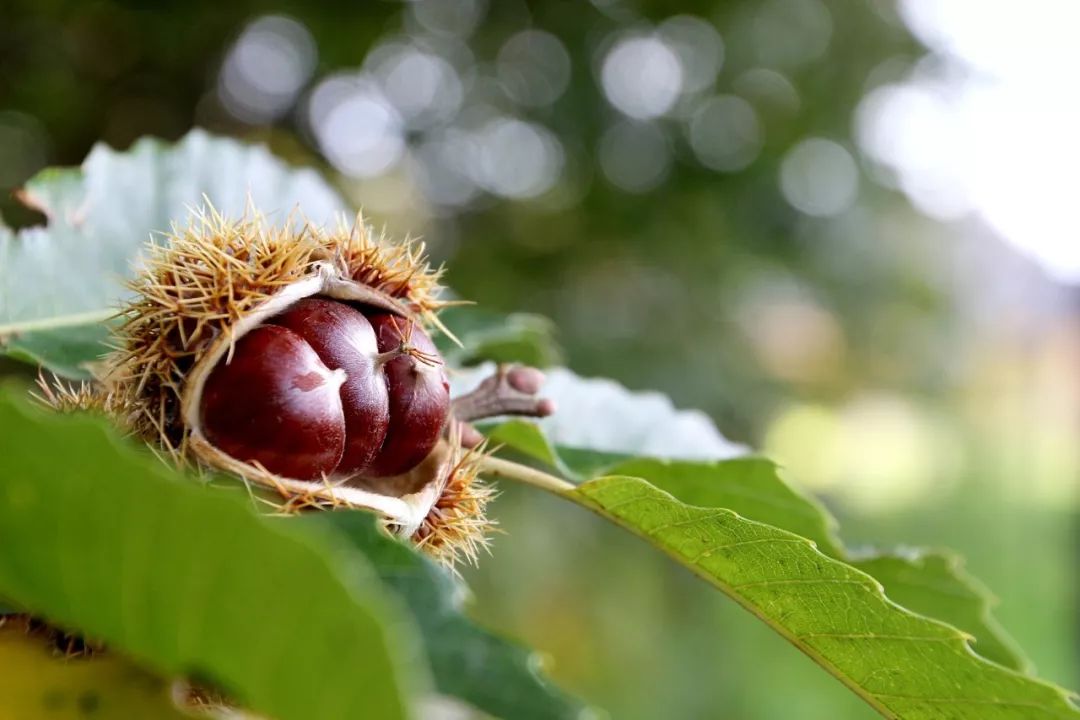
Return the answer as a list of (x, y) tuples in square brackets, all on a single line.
[(689, 521), (803, 581), (759, 541), (876, 636)]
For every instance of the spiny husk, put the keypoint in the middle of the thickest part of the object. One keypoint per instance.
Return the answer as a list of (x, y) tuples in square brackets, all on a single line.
[(83, 397), (209, 283), (206, 278), (457, 527)]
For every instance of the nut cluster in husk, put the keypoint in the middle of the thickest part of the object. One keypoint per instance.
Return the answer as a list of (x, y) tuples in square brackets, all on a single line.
[(299, 359)]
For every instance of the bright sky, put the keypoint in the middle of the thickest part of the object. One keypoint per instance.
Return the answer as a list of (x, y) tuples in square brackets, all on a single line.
[(989, 121)]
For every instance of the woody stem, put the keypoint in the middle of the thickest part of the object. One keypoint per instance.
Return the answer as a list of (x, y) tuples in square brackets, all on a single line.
[(498, 467), (496, 396)]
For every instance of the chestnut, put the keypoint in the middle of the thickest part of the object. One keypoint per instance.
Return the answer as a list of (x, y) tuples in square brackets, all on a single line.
[(343, 338), (419, 394), (276, 403), (380, 376)]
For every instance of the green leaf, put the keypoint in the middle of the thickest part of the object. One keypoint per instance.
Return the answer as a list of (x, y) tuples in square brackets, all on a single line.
[(935, 584), (528, 439), (36, 684), (105, 539), (67, 352), (904, 665), (750, 486), (70, 272), (485, 335), (925, 583), (490, 673), (931, 584)]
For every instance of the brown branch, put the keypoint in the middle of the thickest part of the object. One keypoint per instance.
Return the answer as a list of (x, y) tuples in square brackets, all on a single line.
[(512, 390)]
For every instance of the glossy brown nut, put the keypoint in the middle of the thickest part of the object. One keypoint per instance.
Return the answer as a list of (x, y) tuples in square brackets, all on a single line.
[(419, 396), (277, 404), (343, 338)]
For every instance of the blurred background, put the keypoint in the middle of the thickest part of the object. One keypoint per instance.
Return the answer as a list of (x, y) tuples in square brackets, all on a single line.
[(844, 228)]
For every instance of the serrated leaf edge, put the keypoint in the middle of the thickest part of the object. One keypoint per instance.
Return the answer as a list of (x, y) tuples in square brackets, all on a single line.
[(953, 635)]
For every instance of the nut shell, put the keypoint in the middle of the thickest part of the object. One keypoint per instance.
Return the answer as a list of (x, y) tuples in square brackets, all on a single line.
[(276, 404), (419, 395), (343, 338)]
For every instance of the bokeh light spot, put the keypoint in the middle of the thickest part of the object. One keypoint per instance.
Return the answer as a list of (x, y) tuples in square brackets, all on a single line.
[(266, 68), (423, 87), (642, 76), (446, 17), (879, 453), (443, 167), (355, 125), (534, 68), (818, 177), (699, 47), (516, 159), (725, 133)]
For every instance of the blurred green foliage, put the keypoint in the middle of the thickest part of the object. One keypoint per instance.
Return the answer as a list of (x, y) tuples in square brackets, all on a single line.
[(657, 280)]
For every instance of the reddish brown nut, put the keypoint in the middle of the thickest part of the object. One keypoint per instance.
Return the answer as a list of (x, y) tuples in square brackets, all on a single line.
[(385, 393), (419, 394), (277, 404), (343, 338)]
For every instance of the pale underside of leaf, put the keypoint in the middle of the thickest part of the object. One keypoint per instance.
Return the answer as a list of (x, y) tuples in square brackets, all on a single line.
[(61, 283), (71, 271), (601, 415)]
